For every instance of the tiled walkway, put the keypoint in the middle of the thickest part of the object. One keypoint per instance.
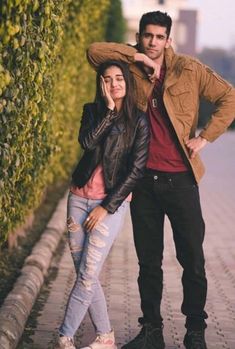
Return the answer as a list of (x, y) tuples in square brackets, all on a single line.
[(120, 272)]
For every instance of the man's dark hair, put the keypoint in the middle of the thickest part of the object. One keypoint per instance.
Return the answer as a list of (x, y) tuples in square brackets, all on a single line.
[(156, 18)]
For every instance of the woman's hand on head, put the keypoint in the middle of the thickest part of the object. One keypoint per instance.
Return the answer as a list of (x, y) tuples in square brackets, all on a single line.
[(106, 95), (94, 217)]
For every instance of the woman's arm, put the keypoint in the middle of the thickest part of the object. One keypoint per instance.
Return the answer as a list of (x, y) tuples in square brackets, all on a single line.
[(138, 161), (113, 200), (93, 128)]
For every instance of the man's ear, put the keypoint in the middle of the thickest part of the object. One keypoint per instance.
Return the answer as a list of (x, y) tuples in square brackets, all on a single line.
[(137, 37), (168, 42)]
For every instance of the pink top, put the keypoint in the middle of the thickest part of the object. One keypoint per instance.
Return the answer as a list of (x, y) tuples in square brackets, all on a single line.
[(94, 188)]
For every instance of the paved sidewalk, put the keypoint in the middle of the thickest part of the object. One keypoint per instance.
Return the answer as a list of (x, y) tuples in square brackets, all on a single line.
[(120, 272)]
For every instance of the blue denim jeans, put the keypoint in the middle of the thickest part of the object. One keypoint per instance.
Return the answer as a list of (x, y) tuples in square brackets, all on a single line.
[(89, 251)]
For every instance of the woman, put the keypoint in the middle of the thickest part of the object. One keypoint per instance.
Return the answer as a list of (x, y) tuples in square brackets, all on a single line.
[(114, 135)]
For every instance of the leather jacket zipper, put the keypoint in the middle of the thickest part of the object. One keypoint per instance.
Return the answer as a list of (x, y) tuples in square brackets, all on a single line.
[(115, 166)]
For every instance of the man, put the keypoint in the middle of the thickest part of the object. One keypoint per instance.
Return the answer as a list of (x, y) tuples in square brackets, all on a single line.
[(173, 170)]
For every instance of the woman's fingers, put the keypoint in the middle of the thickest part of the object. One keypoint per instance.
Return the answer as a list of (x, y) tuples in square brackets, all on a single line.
[(89, 222), (95, 216), (106, 95), (103, 86)]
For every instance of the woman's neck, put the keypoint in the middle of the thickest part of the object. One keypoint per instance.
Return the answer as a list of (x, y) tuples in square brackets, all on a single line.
[(118, 104)]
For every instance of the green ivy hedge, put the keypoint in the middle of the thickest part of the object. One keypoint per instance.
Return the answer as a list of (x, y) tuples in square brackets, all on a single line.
[(44, 81)]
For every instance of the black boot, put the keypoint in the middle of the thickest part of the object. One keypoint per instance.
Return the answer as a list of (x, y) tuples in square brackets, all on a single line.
[(195, 339), (150, 337)]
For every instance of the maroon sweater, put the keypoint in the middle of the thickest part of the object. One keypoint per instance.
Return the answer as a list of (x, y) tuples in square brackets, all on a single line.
[(164, 150)]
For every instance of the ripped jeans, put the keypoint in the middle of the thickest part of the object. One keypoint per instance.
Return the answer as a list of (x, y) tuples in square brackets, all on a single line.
[(89, 251)]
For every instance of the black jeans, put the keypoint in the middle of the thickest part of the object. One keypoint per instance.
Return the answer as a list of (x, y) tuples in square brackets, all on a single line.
[(175, 195)]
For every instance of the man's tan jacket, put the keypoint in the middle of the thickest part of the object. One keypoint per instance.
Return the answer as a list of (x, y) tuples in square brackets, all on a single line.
[(185, 82)]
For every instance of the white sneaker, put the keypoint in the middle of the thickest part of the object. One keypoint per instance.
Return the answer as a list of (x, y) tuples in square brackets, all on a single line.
[(103, 341), (65, 343)]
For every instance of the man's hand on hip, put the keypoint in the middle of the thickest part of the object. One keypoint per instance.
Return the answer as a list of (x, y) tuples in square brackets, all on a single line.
[(195, 144)]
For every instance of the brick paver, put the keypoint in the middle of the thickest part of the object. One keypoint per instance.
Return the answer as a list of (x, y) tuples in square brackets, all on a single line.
[(120, 272)]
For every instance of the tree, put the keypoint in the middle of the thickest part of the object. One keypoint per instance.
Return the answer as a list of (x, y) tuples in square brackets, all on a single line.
[(116, 25)]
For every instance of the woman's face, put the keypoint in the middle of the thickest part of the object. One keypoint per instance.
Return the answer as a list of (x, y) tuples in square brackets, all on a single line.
[(115, 83)]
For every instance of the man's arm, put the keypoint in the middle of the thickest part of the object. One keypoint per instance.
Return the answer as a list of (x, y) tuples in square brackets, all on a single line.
[(99, 52), (218, 91)]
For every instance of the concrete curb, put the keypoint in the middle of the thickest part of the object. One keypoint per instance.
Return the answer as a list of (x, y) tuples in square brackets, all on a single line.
[(19, 302)]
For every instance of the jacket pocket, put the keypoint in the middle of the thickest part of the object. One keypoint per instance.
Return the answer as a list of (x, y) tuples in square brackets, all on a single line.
[(182, 98)]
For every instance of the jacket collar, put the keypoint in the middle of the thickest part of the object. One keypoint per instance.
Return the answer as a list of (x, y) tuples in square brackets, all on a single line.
[(175, 64)]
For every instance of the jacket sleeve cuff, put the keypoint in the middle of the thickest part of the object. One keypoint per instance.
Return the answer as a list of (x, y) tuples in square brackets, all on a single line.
[(109, 206), (203, 135), (111, 114)]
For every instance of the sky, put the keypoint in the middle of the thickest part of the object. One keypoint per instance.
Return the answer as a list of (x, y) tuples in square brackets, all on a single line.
[(216, 23)]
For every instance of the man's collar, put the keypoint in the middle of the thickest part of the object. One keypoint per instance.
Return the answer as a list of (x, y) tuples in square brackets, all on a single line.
[(168, 56)]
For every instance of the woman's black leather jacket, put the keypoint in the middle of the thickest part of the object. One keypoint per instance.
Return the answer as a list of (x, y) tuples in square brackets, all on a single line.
[(102, 138)]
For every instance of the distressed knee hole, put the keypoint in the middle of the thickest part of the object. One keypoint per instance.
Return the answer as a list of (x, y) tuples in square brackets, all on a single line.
[(91, 268), (94, 255), (72, 225), (75, 249), (96, 241), (103, 229)]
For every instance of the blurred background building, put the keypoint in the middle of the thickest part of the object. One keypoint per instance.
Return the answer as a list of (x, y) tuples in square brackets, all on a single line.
[(184, 27)]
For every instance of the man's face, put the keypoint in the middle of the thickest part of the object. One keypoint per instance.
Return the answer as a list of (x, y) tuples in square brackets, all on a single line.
[(153, 40)]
